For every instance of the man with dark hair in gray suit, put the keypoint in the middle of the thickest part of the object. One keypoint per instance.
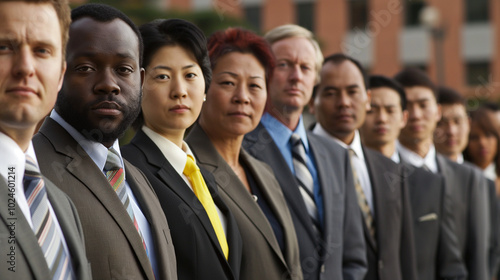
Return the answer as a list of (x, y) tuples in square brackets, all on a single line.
[(436, 245), (40, 232), (465, 187), (313, 172)]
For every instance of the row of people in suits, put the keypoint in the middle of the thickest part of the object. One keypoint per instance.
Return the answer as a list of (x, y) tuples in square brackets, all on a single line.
[(206, 207)]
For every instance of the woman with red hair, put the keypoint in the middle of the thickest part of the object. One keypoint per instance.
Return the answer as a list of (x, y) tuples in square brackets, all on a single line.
[(241, 65)]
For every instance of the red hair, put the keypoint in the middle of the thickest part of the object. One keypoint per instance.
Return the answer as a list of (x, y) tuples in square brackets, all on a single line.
[(243, 41)]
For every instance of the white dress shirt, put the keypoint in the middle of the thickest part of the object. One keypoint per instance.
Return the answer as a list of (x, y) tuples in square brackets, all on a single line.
[(416, 160), (12, 156), (358, 161), (99, 153), (177, 157)]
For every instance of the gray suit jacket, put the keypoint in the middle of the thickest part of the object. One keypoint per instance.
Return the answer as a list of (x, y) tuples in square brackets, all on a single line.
[(437, 252), (262, 257), (466, 197), (340, 253), (26, 256), (114, 247), (392, 255)]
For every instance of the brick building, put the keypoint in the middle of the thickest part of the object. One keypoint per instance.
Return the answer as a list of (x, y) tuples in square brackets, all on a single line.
[(386, 35)]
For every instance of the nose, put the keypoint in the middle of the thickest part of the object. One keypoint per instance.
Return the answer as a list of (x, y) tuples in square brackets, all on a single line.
[(241, 95), (24, 64), (414, 113), (107, 84), (343, 99), (296, 73), (178, 88), (382, 116)]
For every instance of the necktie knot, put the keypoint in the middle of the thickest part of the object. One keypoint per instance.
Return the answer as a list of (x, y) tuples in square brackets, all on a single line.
[(295, 139), (113, 161), (190, 167), (31, 173)]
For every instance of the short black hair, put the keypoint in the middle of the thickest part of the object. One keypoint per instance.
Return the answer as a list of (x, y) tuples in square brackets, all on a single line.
[(379, 81), (338, 58), (449, 96), (414, 77), (106, 13)]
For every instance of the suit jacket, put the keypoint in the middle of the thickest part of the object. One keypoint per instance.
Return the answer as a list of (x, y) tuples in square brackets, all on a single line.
[(22, 252), (466, 191), (392, 255), (494, 245), (114, 247), (340, 253), (262, 256), (437, 252), (199, 255)]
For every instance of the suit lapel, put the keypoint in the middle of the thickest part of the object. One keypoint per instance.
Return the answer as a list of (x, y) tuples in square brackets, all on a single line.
[(271, 154), (80, 166)]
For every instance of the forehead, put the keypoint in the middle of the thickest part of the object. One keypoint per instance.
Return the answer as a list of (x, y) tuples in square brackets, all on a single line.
[(296, 49), (453, 110), (385, 96), (29, 22), (341, 75), (89, 37), (419, 93), (240, 63)]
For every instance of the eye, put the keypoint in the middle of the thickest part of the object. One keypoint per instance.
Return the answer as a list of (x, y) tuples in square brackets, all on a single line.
[(227, 83), (125, 70), (4, 47), (84, 68), (282, 64), (191, 75), (256, 86), (162, 77), (305, 67), (43, 51)]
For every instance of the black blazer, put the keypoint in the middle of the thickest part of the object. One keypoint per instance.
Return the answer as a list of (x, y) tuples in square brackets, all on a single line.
[(392, 255), (466, 198), (437, 252), (494, 248), (340, 253), (197, 248)]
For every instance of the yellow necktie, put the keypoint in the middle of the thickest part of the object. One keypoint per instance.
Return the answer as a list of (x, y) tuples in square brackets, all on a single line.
[(200, 189)]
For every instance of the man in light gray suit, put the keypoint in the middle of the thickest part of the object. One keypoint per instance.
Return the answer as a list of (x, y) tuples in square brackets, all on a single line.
[(465, 187), (314, 172), (126, 232), (37, 219)]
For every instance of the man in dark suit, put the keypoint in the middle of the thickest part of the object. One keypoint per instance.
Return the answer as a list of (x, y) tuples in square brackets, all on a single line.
[(340, 103), (40, 232), (465, 187), (126, 232), (436, 245), (314, 173), (451, 137)]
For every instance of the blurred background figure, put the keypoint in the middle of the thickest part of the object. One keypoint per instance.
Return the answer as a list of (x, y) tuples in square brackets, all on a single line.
[(242, 64), (207, 242)]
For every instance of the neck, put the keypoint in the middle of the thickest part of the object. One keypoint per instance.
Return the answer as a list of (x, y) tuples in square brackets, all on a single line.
[(228, 147), (421, 147), (347, 138), (452, 157), (290, 118), (175, 136)]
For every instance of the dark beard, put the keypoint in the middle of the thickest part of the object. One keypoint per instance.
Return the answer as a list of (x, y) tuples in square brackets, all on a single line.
[(102, 133)]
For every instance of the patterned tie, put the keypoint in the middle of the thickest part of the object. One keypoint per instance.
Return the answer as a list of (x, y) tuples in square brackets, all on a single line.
[(305, 179), (201, 191), (116, 178), (46, 229), (362, 201)]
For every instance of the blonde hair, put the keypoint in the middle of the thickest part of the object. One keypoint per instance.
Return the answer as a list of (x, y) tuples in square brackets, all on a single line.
[(291, 30)]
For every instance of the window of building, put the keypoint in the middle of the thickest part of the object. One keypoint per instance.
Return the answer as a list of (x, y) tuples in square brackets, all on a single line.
[(253, 16), (412, 12), (305, 15), (477, 10), (478, 73), (358, 14)]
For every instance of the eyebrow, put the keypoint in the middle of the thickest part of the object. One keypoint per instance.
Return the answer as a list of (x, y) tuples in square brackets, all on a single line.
[(419, 100), (337, 88), (232, 74), (164, 67), (94, 54)]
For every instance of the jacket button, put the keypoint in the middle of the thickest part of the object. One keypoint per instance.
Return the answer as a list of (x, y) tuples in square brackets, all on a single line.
[(322, 268)]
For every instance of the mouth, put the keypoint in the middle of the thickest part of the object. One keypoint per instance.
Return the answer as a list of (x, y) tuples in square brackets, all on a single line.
[(381, 130), (239, 114), (22, 90), (180, 108), (107, 108)]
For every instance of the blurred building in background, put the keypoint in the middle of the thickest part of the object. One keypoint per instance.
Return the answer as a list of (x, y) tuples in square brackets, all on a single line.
[(456, 41)]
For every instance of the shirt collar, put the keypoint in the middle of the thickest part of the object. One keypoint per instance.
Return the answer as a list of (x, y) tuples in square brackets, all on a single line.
[(281, 133), (355, 144), (395, 156), (460, 158), (97, 151), (416, 160), (176, 156)]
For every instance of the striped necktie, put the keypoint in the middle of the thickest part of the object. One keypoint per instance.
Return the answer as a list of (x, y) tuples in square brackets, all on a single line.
[(116, 178), (305, 179), (201, 191), (362, 201), (45, 226)]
